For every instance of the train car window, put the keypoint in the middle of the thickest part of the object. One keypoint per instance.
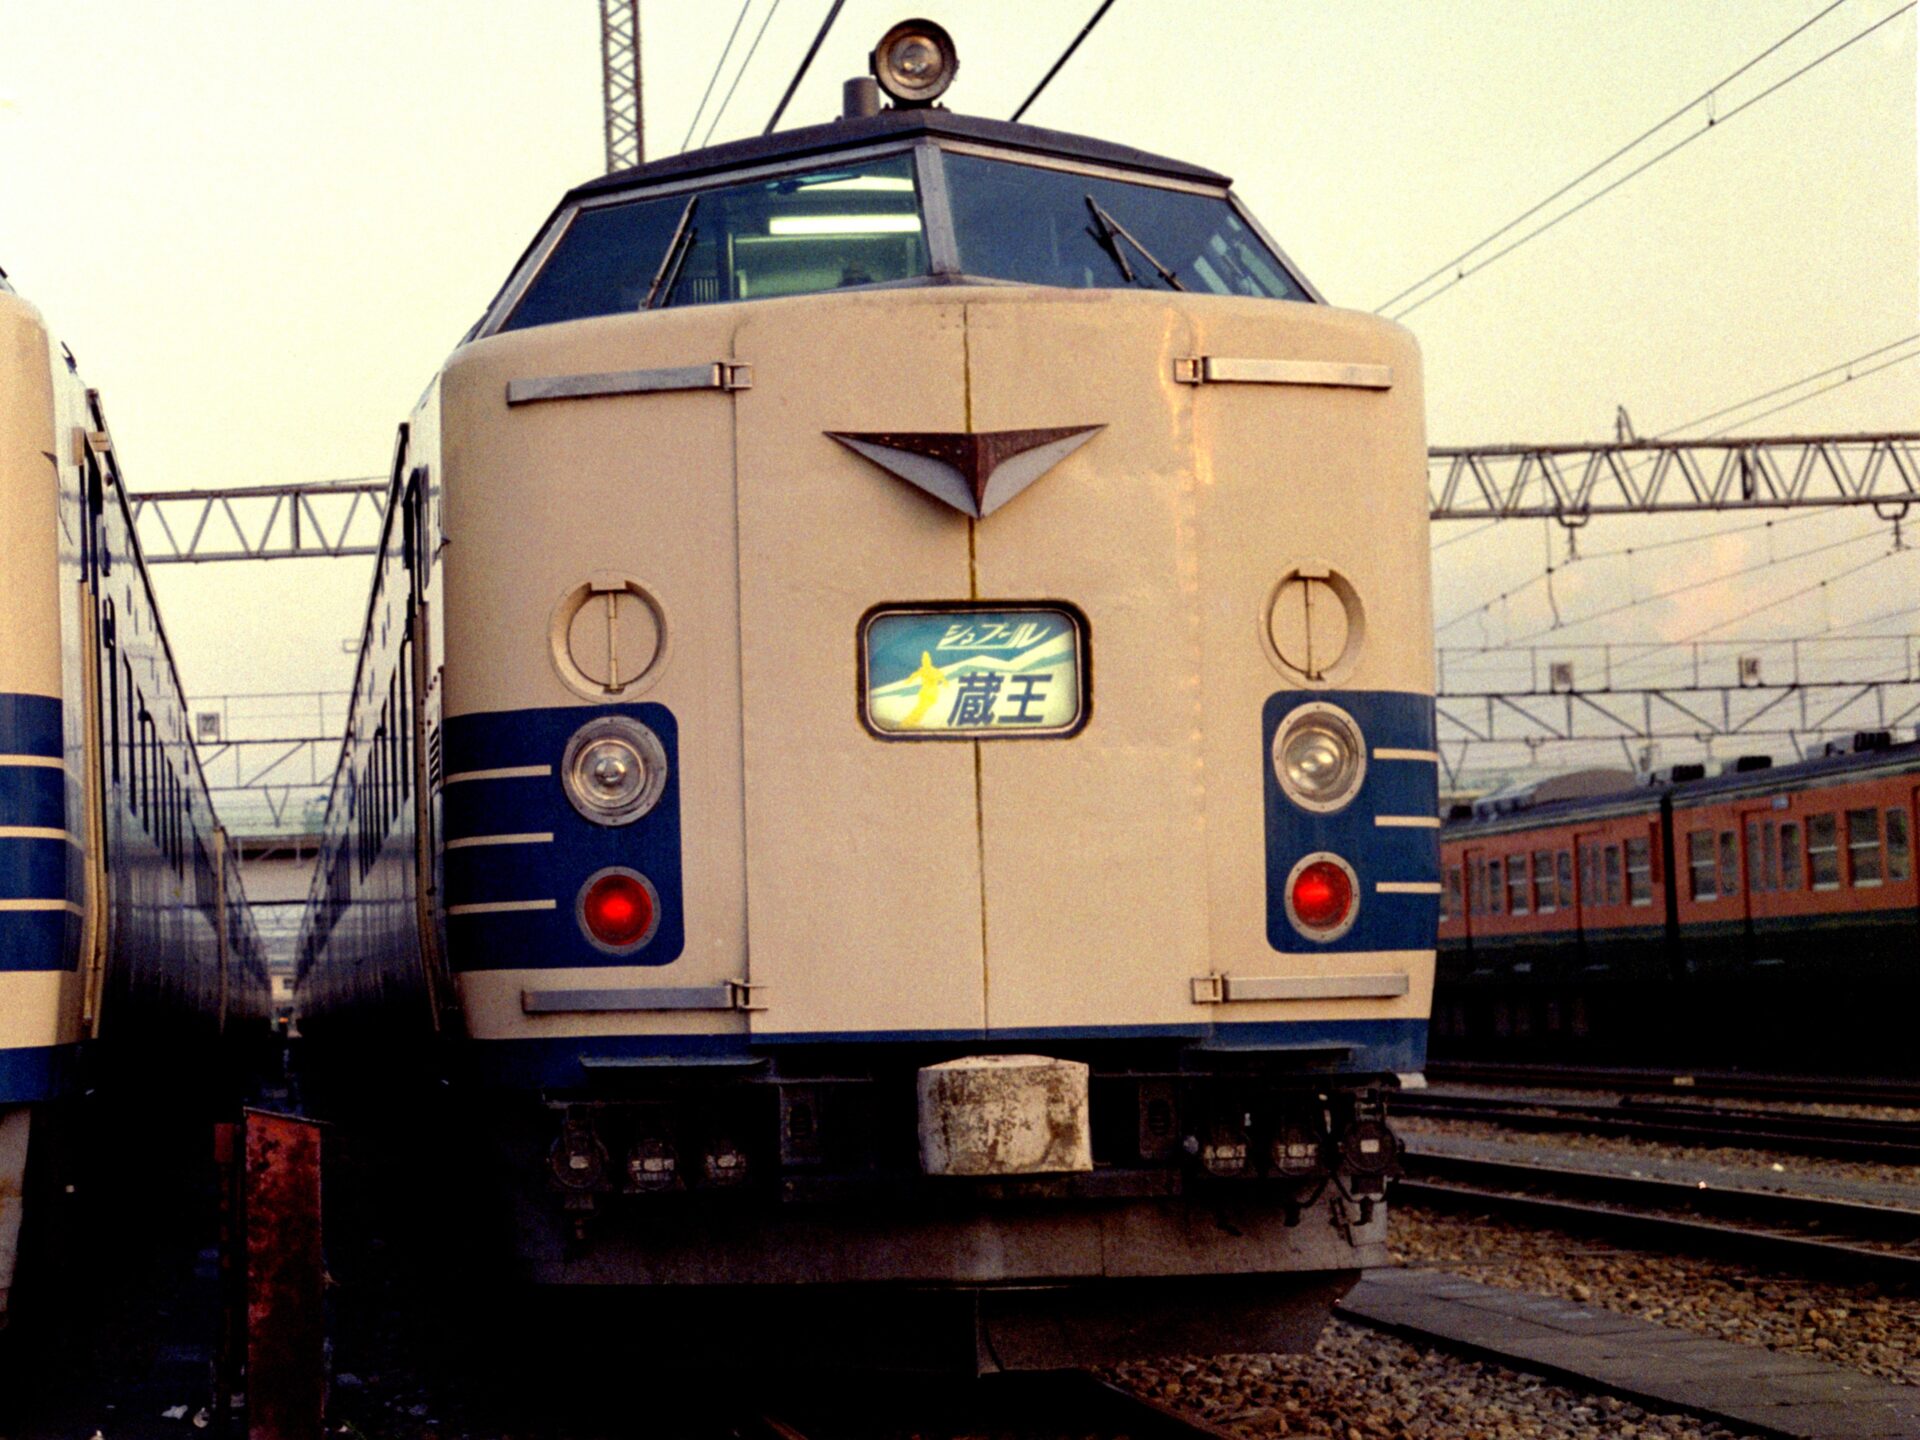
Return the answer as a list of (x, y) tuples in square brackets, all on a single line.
[(1563, 869), (1899, 851), (1495, 889), (794, 235), (1789, 856), (1613, 874), (1863, 846), (1639, 872), (1823, 852), (1589, 873), (1053, 227), (1543, 881), (1450, 905), (1700, 866), (1729, 863), (1516, 885), (1769, 861)]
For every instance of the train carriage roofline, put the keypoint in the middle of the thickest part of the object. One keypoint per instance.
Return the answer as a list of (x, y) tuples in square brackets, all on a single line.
[(1812, 773)]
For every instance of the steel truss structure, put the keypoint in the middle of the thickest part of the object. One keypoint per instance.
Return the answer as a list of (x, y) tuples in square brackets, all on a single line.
[(620, 83), (1570, 483), (270, 522)]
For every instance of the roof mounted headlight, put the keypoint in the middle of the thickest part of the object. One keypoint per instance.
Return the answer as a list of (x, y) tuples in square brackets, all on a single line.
[(614, 770), (1319, 757), (914, 62)]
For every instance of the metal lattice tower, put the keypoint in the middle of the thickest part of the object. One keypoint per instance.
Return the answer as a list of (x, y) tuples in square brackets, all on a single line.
[(620, 83)]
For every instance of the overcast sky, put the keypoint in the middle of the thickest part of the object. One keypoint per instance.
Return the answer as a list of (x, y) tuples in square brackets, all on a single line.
[(261, 226)]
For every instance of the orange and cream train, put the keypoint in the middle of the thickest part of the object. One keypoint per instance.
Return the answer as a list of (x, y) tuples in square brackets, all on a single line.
[(894, 748)]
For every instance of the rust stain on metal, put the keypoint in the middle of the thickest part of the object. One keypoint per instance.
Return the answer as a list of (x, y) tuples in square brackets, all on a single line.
[(286, 1388)]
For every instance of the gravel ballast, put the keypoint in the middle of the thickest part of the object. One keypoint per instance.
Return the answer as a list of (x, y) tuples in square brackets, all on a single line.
[(1853, 1325), (1358, 1384)]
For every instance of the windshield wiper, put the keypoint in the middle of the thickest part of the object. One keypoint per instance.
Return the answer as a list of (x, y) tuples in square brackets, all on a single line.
[(1112, 232), (676, 256), (1108, 234)]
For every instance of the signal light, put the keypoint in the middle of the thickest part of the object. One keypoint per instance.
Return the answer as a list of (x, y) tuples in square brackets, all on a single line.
[(619, 910), (1322, 897)]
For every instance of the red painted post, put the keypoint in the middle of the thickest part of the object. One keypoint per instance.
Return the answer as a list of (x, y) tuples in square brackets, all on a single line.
[(233, 1316), (286, 1329)]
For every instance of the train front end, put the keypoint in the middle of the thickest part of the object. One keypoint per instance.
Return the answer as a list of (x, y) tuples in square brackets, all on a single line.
[(936, 795)]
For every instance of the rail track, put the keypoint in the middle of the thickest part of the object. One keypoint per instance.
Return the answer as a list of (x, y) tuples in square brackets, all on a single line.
[(1830, 1089), (1839, 1239), (1634, 1116)]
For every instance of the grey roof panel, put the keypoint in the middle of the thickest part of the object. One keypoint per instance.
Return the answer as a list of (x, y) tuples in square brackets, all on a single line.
[(892, 125)]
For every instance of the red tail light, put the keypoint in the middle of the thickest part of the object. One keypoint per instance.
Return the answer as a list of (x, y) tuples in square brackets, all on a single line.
[(1322, 896), (618, 909)]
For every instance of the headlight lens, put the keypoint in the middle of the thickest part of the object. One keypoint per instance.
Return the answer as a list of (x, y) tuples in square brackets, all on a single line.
[(614, 771), (1323, 896), (1319, 757)]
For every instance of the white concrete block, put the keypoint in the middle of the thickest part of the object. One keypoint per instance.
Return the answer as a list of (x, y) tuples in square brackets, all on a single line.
[(1004, 1115)]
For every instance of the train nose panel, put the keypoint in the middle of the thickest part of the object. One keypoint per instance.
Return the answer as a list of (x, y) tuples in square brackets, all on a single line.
[(863, 856)]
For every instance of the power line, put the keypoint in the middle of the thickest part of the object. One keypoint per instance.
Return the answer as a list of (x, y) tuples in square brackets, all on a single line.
[(1693, 585), (1642, 168), (1782, 389), (752, 49), (1812, 394), (718, 66), (1588, 173), (806, 61), (1065, 55)]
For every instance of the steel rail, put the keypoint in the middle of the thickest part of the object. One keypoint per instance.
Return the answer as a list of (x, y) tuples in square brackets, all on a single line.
[(1676, 1216), (1829, 1089), (1892, 1142)]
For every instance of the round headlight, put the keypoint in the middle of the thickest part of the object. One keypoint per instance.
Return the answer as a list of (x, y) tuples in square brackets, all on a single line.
[(614, 770), (914, 62), (1319, 757)]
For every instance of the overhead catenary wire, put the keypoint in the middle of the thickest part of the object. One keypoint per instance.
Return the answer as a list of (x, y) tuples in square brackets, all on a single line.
[(1673, 430), (718, 66), (806, 63), (1065, 55), (1598, 166), (752, 49), (1643, 167), (1693, 585)]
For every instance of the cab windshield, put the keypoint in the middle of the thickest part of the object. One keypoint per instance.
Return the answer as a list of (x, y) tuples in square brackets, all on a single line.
[(865, 224), (789, 236)]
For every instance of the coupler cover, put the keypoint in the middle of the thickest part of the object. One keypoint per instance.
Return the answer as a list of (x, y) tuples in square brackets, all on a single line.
[(1004, 1115)]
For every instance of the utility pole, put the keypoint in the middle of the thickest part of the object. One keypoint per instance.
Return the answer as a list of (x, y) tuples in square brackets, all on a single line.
[(620, 83)]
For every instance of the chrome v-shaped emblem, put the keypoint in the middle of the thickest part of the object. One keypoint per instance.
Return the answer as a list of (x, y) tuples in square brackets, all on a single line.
[(975, 473)]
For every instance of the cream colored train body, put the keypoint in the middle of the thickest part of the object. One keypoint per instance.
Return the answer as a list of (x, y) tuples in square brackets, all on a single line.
[(850, 620), (128, 960)]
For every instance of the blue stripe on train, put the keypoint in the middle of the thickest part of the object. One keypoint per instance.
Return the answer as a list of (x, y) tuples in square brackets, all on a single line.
[(39, 1072), (33, 795), (491, 874), (39, 939), (30, 725), (1388, 720), (1354, 1047), (34, 869)]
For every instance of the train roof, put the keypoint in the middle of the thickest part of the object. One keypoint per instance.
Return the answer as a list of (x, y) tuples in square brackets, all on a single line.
[(1806, 774), (890, 125)]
